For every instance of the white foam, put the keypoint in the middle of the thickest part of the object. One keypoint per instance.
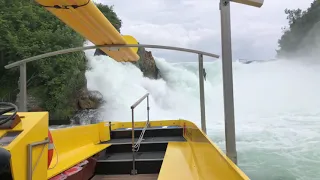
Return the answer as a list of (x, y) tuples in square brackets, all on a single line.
[(276, 108)]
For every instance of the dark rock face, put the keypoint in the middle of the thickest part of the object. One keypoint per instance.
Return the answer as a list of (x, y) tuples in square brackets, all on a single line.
[(99, 52), (85, 100), (89, 99), (146, 63)]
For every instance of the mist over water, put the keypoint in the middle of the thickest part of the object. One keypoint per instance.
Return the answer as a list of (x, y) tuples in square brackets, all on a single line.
[(277, 108)]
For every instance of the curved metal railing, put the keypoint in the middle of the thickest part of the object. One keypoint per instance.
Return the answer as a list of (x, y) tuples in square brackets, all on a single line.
[(136, 145)]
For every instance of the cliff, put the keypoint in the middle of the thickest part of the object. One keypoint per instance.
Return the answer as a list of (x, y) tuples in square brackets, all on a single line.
[(147, 64), (301, 37)]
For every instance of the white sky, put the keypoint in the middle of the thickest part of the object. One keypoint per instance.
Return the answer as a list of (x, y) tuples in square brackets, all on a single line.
[(196, 24)]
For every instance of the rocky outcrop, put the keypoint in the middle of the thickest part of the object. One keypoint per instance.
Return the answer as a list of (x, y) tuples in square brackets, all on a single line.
[(85, 100), (146, 63), (89, 99)]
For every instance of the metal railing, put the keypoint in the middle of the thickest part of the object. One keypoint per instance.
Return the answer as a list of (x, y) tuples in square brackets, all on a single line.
[(30, 168), (112, 47), (115, 47), (136, 146)]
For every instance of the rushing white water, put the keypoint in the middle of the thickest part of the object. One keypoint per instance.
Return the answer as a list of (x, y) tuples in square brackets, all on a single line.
[(277, 108)]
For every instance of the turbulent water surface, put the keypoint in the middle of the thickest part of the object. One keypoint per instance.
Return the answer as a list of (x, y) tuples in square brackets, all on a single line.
[(277, 108)]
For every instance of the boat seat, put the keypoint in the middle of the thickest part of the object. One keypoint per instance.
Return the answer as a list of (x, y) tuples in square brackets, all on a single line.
[(64, 161), (178, 162)]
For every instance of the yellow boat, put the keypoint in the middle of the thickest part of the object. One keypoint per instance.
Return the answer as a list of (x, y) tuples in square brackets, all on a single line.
[(168, 149), (157, 149)]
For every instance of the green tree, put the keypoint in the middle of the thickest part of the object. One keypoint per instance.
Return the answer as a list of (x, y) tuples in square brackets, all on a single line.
[(27, 29), (108, 12), (300, 23)]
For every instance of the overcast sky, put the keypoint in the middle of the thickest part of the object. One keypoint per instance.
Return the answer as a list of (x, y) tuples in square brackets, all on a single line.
[(196, 24)]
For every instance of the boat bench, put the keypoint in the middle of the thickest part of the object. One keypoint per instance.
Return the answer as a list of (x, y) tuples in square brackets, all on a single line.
[(178, 162), (62, 162)]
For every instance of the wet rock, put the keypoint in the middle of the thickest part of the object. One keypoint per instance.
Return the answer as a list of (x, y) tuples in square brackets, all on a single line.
[(89, 99), (146, 63)]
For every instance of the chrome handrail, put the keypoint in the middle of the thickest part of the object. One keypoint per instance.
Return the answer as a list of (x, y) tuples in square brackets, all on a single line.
[(136, 146)]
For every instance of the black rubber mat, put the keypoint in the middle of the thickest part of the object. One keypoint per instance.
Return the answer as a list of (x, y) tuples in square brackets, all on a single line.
[(142, 167), (127, 156), (150, 132), (147, 140), (147, 147)]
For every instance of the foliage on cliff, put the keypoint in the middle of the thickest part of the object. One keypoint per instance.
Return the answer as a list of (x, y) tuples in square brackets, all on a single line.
[(27, 29), (300, 24)]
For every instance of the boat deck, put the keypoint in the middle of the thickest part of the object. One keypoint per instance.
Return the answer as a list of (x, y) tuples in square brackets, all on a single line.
[(126, 177)]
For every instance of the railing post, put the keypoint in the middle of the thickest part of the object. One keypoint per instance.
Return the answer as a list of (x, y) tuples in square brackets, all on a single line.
[(23, 88), (228, 80), (148, 109), (30, 169), (202, 99), (133, 171)]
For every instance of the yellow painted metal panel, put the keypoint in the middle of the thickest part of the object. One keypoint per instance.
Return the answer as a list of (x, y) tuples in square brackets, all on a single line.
[(104, 131), (35, 129), (75, 144), (139, 124), (212, 162), (68, 139), (89, 21), (131, 40), (178, 162)]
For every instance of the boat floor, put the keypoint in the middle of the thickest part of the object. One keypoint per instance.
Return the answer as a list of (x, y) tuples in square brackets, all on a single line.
[(126, 177)]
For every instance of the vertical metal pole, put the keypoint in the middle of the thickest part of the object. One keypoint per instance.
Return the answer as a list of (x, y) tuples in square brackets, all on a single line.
[(133, 171), (202, 100), (23, 88), (228, 80), (148, 110), (30, 169), (29, 162)]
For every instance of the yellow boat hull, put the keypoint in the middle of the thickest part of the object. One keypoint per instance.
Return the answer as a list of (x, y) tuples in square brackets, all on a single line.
[(194, 158)]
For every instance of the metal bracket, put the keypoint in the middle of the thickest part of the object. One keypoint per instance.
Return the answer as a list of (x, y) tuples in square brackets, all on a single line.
[(134, 172), (29, 156), (114, 49), (223, 3)]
